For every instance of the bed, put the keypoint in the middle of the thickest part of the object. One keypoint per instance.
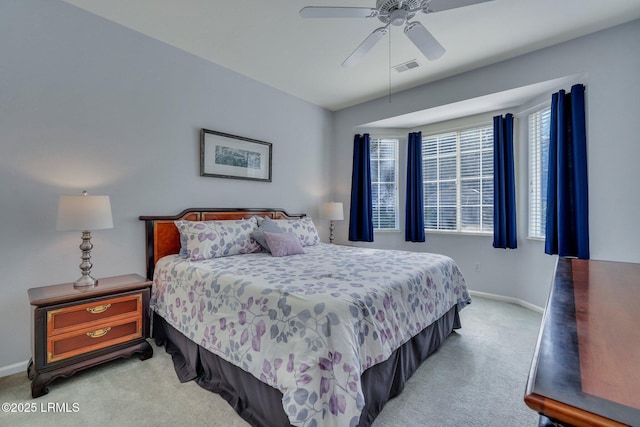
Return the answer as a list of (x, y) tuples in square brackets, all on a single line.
[(320, 338)]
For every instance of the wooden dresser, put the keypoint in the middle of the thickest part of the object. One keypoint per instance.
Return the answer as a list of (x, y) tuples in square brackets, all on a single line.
[(586, 367), (76, 328)]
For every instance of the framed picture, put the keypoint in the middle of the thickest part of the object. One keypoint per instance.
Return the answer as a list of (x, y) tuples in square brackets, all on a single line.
[(230, 156)]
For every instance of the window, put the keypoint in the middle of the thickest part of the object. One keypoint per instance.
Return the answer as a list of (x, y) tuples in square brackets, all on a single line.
[(384, 183), (457, 170), (538, 168)]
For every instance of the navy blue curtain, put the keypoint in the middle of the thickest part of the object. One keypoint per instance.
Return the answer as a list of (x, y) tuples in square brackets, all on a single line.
[(505, 234), (361, 214), (414, 212), (567, 226)]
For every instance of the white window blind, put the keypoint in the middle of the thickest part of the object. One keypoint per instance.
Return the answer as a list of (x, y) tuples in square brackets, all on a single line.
[(457, 172), (384, 183), (538, 124)]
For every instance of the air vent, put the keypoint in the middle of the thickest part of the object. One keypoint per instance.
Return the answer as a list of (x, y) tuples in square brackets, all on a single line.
[(406, 66)]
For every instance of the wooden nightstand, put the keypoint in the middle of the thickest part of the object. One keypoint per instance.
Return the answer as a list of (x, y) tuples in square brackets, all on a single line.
[(75, 328)]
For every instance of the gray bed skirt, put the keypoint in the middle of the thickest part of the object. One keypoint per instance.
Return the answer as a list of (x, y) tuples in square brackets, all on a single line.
[(261, 405)]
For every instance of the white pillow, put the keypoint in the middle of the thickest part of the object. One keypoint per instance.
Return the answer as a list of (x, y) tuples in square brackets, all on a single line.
[(200, 237), (303, 228), (215, 239), (235, 236)]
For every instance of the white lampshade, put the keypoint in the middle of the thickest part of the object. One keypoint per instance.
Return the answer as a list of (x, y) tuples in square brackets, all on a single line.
[(79, 213), (332, 211)]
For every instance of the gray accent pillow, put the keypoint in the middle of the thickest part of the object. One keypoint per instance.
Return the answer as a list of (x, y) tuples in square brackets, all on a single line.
[(269, 226)]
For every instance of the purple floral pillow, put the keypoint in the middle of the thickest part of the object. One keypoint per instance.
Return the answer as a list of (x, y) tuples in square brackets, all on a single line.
[(303, 228), (215, 239), (201, 239), (283, 244), (235, 236)]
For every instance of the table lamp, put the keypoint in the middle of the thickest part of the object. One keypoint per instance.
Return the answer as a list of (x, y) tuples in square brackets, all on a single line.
[(332, 211), (84, 213)]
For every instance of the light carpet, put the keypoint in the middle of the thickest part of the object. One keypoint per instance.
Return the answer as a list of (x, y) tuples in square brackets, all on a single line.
[(477, 378)]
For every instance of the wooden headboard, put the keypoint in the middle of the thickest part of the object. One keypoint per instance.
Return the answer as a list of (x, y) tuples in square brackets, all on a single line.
[(162, 236)]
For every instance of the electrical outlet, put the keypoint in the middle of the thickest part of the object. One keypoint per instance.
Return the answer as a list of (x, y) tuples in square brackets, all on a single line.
[(477, 266)]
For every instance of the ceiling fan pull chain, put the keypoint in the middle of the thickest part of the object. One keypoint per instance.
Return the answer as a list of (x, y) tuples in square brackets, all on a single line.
[(389, 70)]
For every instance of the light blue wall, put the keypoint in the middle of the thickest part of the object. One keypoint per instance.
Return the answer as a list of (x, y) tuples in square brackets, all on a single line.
[(89, 104), (610, 61)]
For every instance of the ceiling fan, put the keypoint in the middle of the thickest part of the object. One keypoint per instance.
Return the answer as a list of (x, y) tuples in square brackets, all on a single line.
[(396, 13)]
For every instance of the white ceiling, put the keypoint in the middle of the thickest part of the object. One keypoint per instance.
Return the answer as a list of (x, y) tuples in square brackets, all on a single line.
[(268, 41)]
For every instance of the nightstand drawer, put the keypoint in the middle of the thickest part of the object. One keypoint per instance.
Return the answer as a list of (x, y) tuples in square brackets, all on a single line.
[(71, 344), (85, 316)]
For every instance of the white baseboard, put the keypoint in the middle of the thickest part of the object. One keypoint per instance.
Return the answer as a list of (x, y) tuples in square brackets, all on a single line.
[(516, 301), (5, 371)]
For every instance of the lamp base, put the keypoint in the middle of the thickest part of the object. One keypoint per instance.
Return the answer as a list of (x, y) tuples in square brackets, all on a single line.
[(85, 282), (331, 229)]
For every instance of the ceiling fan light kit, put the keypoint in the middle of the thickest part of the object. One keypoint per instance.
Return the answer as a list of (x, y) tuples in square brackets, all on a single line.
[(396, 13)]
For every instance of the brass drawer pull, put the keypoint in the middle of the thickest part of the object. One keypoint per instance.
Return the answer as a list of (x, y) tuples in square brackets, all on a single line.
[(99, 333), (98, 309)]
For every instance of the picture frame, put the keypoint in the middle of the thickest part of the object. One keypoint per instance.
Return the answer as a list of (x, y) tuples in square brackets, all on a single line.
[(223, 155)]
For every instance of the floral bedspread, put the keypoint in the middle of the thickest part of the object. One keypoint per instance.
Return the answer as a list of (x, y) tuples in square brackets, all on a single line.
[(308, 324)]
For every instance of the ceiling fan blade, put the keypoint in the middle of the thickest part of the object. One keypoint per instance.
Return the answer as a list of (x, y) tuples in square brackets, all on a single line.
[(440, 5), (365, 47), (428, 45), (336, 12)]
